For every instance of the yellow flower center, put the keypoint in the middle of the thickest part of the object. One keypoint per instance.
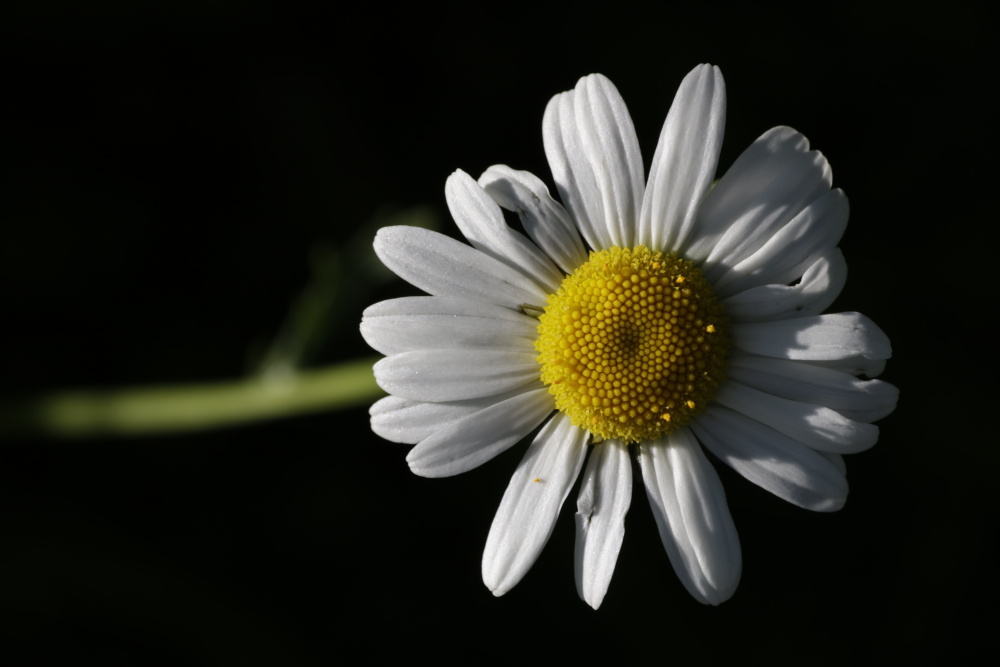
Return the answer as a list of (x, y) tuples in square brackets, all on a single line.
[(633, 344)]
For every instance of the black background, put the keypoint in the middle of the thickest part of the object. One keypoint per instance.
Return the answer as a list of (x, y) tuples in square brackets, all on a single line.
[(167, 170)]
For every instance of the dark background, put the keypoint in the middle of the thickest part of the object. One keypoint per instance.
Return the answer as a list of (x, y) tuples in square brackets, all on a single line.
[(167, 171)]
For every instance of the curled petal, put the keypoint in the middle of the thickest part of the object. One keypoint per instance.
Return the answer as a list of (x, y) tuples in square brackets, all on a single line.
[(481, 221), (820, 285), (768, 185), (828, 337), (861, 400), (544, 219), (785, 256)]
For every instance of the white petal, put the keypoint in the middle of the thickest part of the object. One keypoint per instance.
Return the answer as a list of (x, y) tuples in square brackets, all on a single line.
[(434, 322), (773, 461), (820, 285), (787, 254), (822, 337), (861, 400), (481, 221), (592, 149), (445, 267), (837, 460), (472, 440), (768, 185), (453, 375), (812, 425), (570, 170), (531, 504), (604, 500), (692, 516), (685, 160), (544, 219), (405, 420), (856, 365)]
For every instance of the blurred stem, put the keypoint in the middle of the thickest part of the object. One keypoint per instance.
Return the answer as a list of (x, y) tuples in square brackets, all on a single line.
[(341, 279), (279, 386), (180, 408)]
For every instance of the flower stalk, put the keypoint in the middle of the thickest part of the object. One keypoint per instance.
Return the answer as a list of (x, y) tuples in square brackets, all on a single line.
[(162, 409)]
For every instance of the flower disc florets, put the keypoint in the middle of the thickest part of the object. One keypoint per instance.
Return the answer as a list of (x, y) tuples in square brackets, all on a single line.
[(633, 344)]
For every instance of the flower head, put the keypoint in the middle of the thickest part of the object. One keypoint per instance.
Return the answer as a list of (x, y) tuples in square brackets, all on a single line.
[(662, 315)]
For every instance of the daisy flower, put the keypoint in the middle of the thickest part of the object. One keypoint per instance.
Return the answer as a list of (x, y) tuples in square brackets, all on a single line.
[(659, 314)]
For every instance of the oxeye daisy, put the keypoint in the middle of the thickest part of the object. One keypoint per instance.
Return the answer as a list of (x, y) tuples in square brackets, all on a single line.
[(662, 316)]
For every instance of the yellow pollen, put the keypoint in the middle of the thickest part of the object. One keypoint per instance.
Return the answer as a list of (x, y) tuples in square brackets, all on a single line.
[(623, 347)]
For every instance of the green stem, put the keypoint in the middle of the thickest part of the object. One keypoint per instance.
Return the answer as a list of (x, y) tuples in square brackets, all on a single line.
[(178, 408)]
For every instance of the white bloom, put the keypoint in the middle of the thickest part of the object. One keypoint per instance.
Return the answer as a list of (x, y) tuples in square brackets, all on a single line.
[(694, 321)]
